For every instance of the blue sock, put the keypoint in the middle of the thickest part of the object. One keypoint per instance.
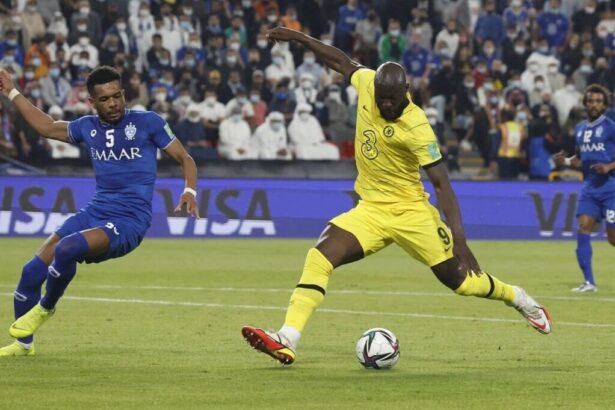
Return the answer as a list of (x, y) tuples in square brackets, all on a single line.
[(28, 291), (584, 256), (68, 251)]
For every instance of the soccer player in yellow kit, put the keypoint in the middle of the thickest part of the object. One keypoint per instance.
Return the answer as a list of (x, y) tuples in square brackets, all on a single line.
[(393, 141)]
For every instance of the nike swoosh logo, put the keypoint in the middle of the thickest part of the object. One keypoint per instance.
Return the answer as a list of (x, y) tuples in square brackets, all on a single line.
[(446, 249), (365, 108), (17, 328), (537, 325)]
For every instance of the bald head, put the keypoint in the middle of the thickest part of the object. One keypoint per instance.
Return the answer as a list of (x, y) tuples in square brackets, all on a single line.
[(391, 89)]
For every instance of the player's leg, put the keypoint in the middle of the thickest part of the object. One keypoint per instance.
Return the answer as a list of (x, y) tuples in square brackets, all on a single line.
[(348, 238), (28, 293), (68, 251), (587, 222)]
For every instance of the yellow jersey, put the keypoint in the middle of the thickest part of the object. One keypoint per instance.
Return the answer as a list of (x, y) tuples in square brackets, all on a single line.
[(388, 154)]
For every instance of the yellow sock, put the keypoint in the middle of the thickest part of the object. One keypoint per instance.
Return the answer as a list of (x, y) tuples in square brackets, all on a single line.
[(486, 286), (310, 291)]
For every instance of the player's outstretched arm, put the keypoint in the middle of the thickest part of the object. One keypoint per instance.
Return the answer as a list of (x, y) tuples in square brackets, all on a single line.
[(188, 198), (332, 57), (448, 202), (41, 122), (574, 162)]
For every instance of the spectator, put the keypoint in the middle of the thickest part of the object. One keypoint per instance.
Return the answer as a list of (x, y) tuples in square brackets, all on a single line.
[(517, 15), (306, 92), (33, 20), (290, 19), (368, 33), (602, 74), (61, 149), (191, 131), (571, 55), (391, 45), (416, 58), (135, 91), (543, 143), (564, 99), (212, 113), (7, 143), (348, 16), (31, 147), (553, 25), (555, 79), (9, 62), (586, 19), (450, 36), (88, 21), (581, 75), (510, 152), (311, 67), (127, 39), (10, 41), (340, 128), (55, 88), (307, 139), (237, 29), (258, 82), (270, 138), (260, 107), (235, 138), (83, 45), (490, 24), (283, 101), (244, 104), (275, 72), (59, 43)]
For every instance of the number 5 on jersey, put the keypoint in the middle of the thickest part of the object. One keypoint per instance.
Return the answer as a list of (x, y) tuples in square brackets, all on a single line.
[(110, 138)]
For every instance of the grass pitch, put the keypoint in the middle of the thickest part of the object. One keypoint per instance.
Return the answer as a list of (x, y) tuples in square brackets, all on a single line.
[(160, 328)]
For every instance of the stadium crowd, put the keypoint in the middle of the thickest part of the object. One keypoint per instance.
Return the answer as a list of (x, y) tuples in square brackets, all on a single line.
[(502, 78)]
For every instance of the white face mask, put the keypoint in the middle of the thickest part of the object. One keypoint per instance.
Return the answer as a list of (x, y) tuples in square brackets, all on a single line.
[(539, 85), (570, 88), (161, 97), (194, 44), (231, 60), (276, 125), (261, 43), (121, 26), (533, 68), (432, 121), (84, 41), (144, 13), (194, 118), (309, 60), (210, 100), (234, 46), (83, 95), (84, 10), (304, 116), (394, 33), (272, 18), (236, 117), (305, 84), (553, 69)]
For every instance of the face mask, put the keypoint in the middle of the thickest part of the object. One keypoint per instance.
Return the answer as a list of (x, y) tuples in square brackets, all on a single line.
[(553, 69), (444, 52), (82, 27), (188, 11), (255, 98), (539, 85), (165, 62), (335, 96), (29, 75), (521, 116), (395, 33), (603, 34), (54, 72), (161, 97), (236, 117), (32, 9), (519, 50), (189, 63), (272, 18), (232, 60), (516, 3), (235, 46), (327, 41), (242, 100), (246, 3), (481, 70), (276, 125), (489, 51), (262, 43), (533, 68), (11, 42), (9, 59), (84, 10), (144, 13), (278, 60), (570, 88), (488, 86), (210, 100), (493, 100), (319, 105), (282, 95), (83, 95), (468, 84), (84, 41), (305, 84), (194, 118), (185, 25), (590, 10), (121, 26), (194, 44), (164, 115), (309, 60), (543, 50), (432, 121), (588, 53), (83, 61), (36, 93), (304, 116)]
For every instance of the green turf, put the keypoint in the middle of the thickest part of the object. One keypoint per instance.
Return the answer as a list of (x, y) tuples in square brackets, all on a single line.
[(114, 349)]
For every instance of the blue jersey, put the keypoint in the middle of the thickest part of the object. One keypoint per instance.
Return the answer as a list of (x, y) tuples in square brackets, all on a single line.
[(124, 159), (596, 143)]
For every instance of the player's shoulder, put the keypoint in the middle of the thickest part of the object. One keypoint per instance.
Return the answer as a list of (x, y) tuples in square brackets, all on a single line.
[(142, 115), (362, 74)]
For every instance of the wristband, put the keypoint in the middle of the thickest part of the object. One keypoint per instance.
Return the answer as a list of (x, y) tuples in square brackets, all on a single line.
[(568, 161), (188, 190), (13, 93)]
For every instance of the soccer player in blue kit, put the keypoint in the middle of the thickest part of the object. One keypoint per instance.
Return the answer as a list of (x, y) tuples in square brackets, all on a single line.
[(122, 145), (595, 141)]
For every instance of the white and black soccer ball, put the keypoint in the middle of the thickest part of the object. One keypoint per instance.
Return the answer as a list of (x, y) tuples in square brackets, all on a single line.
[(378, 348)]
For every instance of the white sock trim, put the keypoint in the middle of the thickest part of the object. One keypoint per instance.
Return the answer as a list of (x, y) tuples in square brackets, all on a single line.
[(25, 345), (291, 335)]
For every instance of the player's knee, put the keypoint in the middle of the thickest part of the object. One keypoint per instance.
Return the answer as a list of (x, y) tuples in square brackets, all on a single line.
[(611, 238), (31, 275), (449, 274), (72, 247)]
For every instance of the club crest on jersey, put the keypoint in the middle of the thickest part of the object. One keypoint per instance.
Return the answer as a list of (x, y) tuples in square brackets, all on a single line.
[(130, 131), (599, 132), (92, 133), (388, 131)]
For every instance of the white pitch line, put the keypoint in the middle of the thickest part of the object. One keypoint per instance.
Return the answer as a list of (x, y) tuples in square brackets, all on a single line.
[(587, 298), (333, 311)]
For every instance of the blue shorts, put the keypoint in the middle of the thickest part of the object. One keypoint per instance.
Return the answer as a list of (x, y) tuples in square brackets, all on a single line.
[(123, 235), (598, 206)]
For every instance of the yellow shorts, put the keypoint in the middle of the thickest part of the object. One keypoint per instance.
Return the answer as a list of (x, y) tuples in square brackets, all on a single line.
[(415, 226)]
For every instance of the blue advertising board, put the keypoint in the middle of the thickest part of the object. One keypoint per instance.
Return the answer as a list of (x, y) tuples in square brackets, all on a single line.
[(289, 208)]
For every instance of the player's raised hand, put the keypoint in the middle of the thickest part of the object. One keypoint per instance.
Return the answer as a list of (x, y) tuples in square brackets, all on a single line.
[(467, 261), (6, 83), (559, 158), (282, 34), (602, 169), (189, 201)]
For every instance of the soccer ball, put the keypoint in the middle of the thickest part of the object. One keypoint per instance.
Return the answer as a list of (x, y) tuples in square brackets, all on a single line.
[(378, 348)]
